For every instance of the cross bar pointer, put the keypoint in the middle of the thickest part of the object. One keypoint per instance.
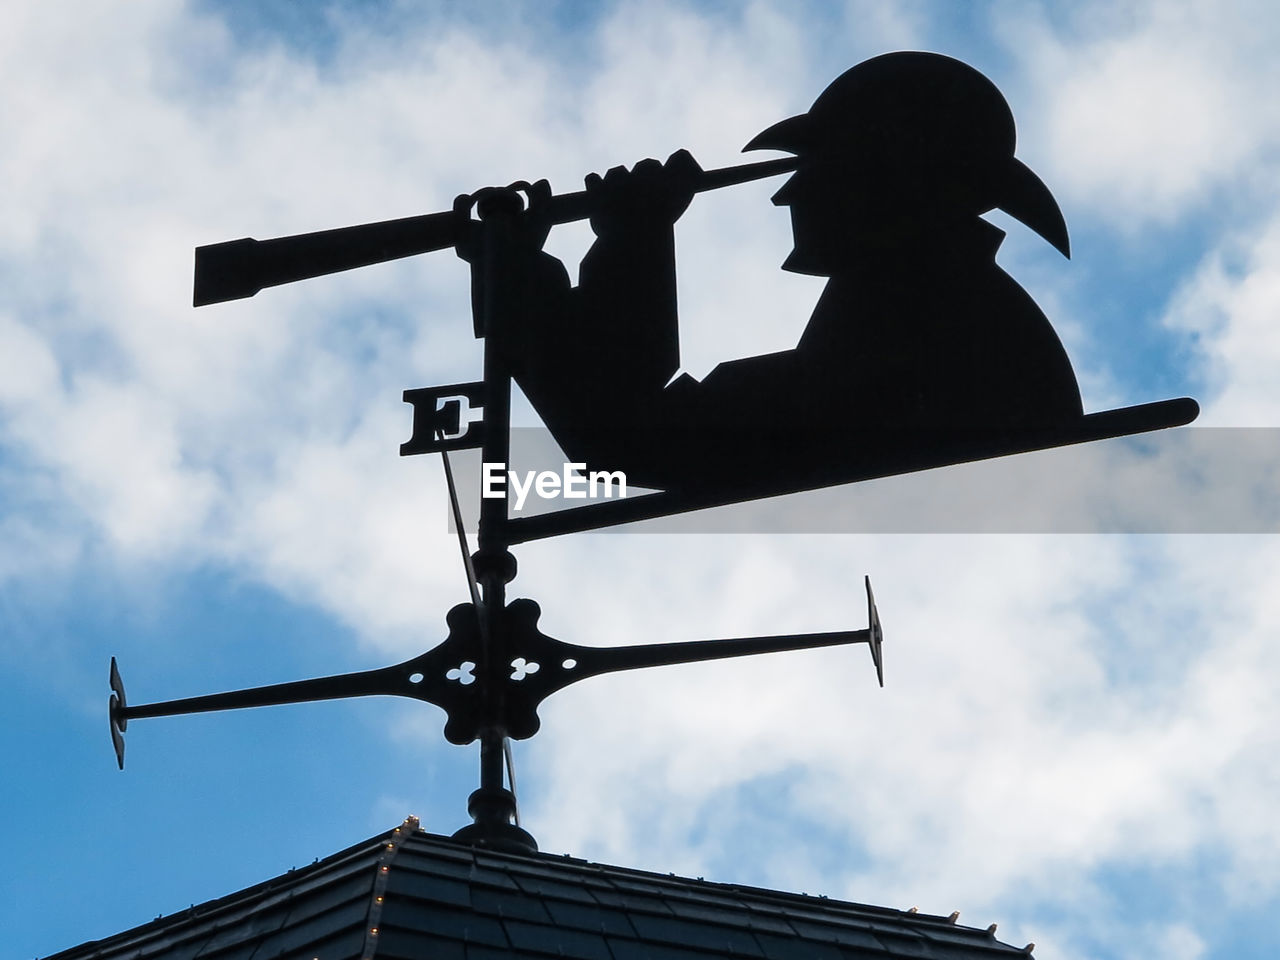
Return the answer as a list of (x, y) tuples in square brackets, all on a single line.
[(503, 696)]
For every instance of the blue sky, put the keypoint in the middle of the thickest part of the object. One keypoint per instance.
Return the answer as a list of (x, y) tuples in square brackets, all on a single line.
[(1077, 740)]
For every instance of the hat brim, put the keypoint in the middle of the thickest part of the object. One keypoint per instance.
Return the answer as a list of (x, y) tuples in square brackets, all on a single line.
[(1024, 196), (793, 135)]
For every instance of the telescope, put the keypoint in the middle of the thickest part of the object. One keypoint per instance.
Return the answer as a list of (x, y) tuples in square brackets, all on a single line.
[(237, 269)]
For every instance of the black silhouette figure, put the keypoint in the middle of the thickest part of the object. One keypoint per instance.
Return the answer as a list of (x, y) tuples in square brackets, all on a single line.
[(921, 352), (919, 342)]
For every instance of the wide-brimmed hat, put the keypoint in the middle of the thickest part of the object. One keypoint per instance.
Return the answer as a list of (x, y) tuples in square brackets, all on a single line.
[(930, 114)]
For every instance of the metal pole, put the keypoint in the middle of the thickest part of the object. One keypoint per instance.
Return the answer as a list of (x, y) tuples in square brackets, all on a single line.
[(493, 806), (493, 558)]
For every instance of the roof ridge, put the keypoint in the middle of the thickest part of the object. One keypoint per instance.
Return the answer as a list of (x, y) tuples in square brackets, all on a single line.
[(395, 840), (764, 893)]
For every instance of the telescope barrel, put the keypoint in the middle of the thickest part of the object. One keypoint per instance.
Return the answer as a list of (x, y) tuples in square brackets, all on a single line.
[(238, 269)]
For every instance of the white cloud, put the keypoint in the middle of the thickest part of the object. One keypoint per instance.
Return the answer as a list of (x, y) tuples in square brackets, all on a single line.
[(1156, 120), (1047, 714), (1231, 303), (1152, 109)]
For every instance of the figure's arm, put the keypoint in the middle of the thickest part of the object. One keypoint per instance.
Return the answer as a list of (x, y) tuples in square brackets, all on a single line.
[(594, 360), (517, 290), (525, 309), (627, 284)]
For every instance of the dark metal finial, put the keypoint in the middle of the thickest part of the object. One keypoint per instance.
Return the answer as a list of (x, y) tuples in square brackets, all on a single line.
[(493, 812)]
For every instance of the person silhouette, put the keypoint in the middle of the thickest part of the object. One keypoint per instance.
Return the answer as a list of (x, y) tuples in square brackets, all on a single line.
[(920, 349)]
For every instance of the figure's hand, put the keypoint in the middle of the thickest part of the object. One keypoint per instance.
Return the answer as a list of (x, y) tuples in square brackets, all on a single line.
[(524, 205), (649, 193)]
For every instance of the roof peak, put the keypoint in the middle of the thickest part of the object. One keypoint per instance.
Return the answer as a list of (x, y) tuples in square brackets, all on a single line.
[(409, 890)]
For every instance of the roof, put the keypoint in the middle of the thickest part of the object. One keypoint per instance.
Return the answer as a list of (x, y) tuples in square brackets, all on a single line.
[(411, 895)]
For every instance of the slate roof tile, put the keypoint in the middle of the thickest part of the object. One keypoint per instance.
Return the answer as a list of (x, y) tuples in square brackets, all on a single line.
[(346, 944), (352, 889), (554, 941), (559, 890), (618, 900), (735, 914), (411, 882), (411, 945), (488, 953), (463, 926), (847, 934), (713, 936), (316, 929), (784, 948), (494, 904), (244, 951), (578, 917), (639, 950)]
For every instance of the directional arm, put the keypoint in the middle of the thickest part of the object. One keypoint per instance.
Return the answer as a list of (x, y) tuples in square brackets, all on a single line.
[(531, 667), (544, 665), (441, 676), (592, 661), (387, 680)]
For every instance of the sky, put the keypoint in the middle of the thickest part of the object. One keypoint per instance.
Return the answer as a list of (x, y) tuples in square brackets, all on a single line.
[(1077, 737)]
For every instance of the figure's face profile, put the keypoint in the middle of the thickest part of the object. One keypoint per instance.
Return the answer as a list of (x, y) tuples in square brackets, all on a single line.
[(815, 214), (842, 211)]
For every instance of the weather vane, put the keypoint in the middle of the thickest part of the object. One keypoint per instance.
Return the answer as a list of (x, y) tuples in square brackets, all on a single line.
[(921, 352)]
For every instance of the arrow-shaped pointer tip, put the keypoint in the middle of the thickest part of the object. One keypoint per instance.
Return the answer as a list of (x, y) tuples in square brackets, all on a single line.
[(115, 709), (876, 633)]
